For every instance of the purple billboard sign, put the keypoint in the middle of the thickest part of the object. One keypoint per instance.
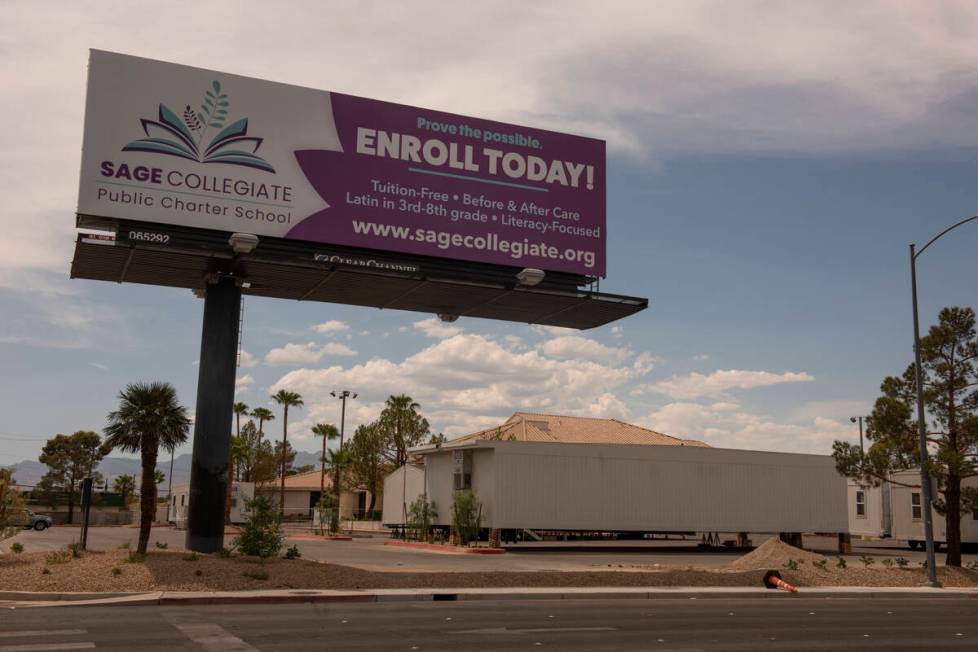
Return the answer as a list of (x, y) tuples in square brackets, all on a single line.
[(239, 154), (437, 184)]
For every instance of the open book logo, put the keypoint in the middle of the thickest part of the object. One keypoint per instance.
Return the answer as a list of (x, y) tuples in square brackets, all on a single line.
[(188, 137)]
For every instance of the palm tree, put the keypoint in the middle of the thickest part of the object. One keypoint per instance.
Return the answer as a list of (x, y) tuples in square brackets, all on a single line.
[(403, 425), (149, 416), (338, 461), (286, 399), (239, 408), (326, 431), (263, 415)]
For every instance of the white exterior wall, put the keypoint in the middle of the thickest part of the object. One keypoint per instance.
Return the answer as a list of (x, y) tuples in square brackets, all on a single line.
[(393, 505), (874, 522), (179, 502), (646, 488), (907, 528)]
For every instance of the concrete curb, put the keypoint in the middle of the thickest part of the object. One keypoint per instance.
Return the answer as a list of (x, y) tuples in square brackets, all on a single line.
[(444, 549), (156, 598)]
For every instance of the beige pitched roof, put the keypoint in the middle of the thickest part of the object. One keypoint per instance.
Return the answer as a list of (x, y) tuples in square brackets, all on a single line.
[(308, 481), (526, 426)]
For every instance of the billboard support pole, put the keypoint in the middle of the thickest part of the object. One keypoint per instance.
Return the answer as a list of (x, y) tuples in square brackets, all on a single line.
[(213, 420)]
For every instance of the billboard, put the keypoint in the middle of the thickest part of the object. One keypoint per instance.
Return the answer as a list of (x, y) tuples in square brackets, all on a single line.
[(179, 145)]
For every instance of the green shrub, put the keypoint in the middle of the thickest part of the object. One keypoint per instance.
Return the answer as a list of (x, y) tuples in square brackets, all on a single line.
[(260, 536), (820, 563), (17, 547), (191, 556), (888, 563), (902, 562), (256, 575), (75, 550), (466, 516), (972, 565), (292, 552), (840, 562), (791, 565), (58, 557), (867, 560), (116, 570), (420, 518), (162, 545)]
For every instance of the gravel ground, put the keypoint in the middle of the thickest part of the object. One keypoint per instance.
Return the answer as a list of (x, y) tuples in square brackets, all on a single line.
[(175, 571)]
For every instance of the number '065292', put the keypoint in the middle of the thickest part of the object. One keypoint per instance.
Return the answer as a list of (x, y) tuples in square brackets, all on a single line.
[(149, 236)]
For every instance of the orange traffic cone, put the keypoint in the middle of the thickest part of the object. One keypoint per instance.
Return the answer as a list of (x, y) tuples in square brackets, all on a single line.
[(772, 580)]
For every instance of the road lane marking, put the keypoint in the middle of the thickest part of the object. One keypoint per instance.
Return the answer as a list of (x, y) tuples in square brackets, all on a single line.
[(213, 637), (43, 632), (534, 630), (44, 647)]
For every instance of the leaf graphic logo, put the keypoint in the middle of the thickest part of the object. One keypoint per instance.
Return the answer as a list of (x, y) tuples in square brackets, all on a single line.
[(185, 137)]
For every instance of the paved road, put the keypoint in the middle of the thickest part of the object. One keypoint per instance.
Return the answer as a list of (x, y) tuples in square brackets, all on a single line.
[(791, 623), (372, 554)]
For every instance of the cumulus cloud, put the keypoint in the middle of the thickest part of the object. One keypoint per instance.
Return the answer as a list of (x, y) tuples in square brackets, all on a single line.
[(243, 382), (246, 360), (725, 426), (467, 382), (567, 347), (293, 354), (331, 327), (434, 327), (720, 382)]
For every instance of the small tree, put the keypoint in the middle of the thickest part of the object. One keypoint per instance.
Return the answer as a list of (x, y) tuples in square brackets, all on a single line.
[(125, 485), (466, 516), (69, 459), (420, 519), (367, 461), (12, 511), (260, 535)]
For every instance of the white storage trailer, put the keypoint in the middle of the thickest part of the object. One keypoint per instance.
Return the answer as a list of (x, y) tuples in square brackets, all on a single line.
[(631, 488), (908, 516)]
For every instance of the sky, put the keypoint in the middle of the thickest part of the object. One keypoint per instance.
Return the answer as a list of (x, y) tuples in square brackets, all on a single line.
[(768, 164)]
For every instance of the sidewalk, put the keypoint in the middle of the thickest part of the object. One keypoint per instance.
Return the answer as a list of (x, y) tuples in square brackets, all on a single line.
[(21, 599)]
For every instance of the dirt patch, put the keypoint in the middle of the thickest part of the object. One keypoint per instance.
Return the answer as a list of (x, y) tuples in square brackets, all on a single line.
[(179, 571), (774, 553)]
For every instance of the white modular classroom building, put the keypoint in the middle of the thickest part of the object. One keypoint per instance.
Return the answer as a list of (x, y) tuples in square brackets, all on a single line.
[(179, 502), (531, 483)]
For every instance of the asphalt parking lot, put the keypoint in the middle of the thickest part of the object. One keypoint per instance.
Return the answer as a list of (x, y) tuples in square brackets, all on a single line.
[(372, 554)]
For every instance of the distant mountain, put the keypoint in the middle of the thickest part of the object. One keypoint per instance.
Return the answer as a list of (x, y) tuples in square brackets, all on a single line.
[(30, 472)]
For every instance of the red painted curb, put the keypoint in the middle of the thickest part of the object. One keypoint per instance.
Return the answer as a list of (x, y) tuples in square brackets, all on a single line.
[(445, 549)]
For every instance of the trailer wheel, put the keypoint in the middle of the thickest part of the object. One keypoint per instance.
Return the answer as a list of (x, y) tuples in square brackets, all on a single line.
[(913, 545)]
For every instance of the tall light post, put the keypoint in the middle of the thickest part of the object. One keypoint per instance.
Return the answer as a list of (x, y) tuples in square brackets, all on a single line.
[(925, 488), (342, 395), (862, 448)]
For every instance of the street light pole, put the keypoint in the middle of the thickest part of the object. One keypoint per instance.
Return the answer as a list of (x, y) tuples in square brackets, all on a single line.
[(862, 448), (925, 488), (342, 395), (922, 433)]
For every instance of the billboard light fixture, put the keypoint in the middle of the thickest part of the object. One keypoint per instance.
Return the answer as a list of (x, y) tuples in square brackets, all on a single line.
[(448, 319), (243, 243), (530, 277)]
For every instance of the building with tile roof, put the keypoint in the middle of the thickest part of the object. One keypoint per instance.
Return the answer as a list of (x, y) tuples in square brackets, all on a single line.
[(531, 427)]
